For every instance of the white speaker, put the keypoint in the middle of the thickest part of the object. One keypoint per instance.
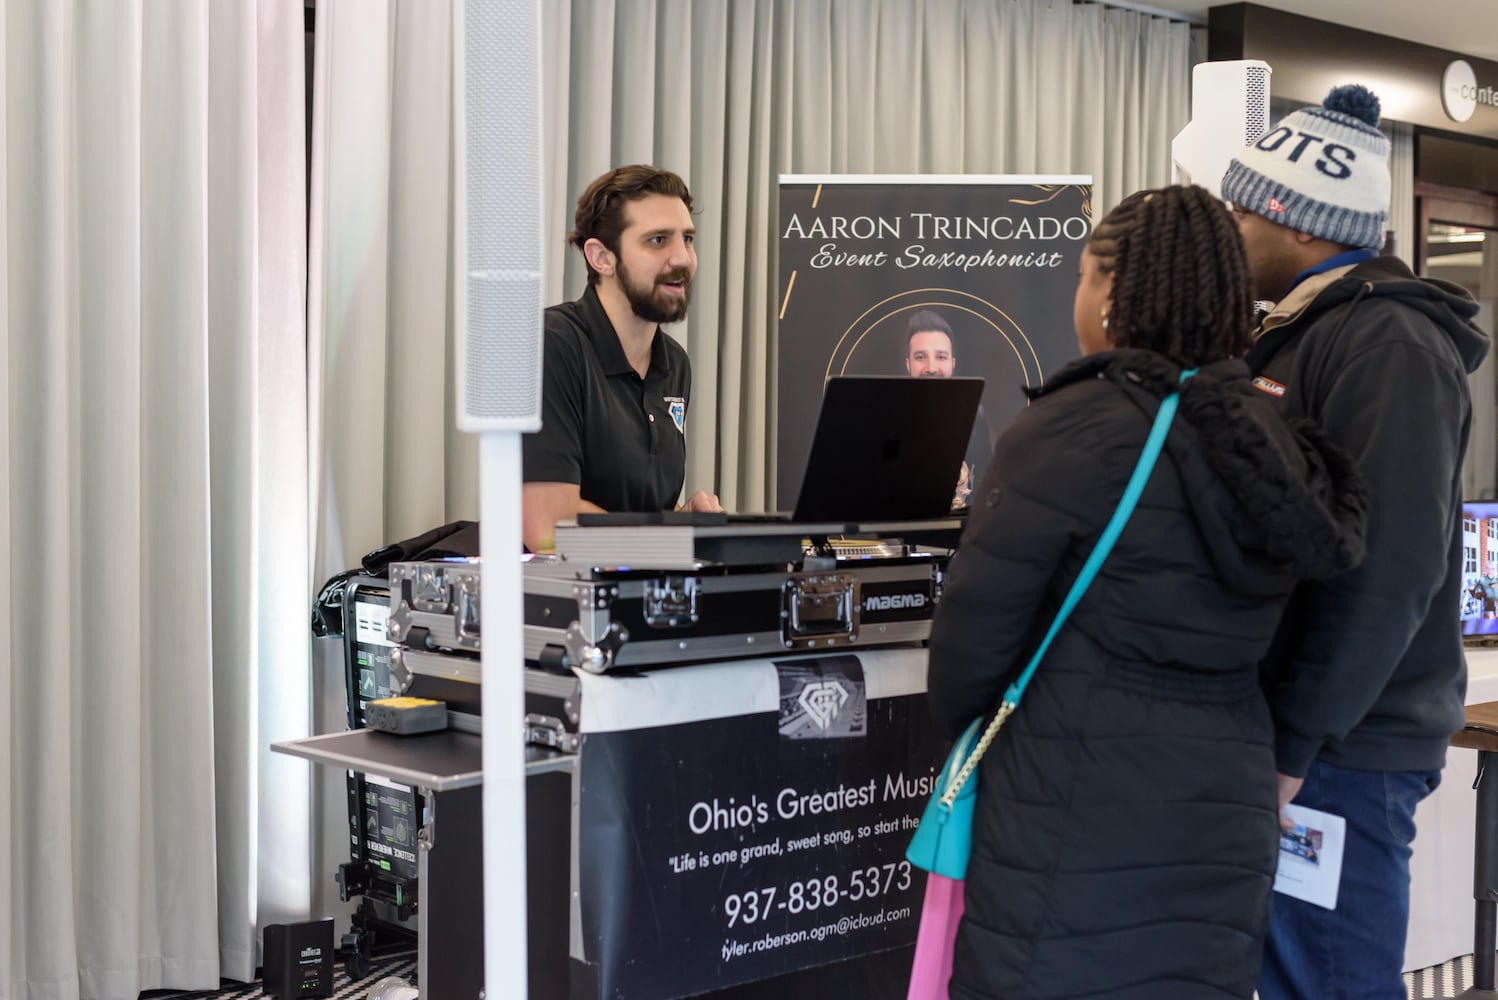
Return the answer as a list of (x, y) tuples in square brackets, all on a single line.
[(1229, 110), (497, 87)]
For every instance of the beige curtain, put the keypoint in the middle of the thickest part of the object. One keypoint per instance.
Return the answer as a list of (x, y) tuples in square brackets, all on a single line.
[(152, 491)]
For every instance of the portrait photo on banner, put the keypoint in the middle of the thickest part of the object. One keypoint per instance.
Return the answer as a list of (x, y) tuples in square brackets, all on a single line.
[(924, 277)]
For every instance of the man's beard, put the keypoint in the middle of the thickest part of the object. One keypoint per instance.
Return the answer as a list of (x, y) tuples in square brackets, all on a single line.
[(653, 305)]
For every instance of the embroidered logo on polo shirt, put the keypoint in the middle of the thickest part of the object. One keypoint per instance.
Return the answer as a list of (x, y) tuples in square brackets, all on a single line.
[(1269, 385), (678, 410)]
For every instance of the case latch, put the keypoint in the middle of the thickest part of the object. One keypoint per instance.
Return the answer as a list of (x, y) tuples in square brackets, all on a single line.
[(671, 602), (819, 609), (548, 731)]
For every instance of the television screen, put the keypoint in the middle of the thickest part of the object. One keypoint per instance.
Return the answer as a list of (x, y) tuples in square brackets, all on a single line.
[(1480, 567)]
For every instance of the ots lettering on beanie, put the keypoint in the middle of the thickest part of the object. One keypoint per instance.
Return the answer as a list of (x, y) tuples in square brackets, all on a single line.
[(1322, 171)]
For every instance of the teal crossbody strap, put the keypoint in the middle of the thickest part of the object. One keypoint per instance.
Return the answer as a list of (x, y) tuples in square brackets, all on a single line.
[(1146, 464), (1152, 447)]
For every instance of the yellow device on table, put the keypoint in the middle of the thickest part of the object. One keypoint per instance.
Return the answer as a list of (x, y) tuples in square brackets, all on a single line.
[(406, 716)]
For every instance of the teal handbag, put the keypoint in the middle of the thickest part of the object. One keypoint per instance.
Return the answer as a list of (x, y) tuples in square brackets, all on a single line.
[(944, 839)]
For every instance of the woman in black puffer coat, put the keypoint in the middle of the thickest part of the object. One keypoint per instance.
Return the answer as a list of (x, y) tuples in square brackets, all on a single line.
[(1126, 831)]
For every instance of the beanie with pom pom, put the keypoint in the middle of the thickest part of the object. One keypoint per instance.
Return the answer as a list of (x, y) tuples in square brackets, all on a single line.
[(1322, 171)]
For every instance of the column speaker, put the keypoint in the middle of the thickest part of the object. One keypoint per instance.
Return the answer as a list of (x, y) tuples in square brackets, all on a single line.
[(497, 86), (1229, 110)]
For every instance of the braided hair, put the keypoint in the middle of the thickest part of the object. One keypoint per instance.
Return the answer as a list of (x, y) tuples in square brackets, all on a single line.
[(1181, 284)]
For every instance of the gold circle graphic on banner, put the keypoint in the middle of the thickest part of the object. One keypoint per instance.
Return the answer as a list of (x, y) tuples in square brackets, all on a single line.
[(833, 362)]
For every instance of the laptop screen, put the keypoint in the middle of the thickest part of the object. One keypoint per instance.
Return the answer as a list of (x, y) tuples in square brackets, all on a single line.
[(887, 448), (1480, 567)]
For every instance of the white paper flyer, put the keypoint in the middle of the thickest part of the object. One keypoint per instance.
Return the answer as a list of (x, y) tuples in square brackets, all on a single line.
[(1310, 865)]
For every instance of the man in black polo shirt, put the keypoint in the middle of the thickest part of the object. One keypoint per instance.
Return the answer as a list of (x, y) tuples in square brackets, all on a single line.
[(615, 390)]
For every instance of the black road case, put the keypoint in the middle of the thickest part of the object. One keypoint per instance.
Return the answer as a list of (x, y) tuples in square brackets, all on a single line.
[(599, 612)]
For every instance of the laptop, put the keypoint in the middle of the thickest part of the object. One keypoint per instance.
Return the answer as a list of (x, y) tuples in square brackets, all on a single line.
[(886, 448)]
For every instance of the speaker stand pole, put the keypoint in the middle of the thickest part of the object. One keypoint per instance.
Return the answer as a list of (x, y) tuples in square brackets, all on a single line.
[(502, 625)]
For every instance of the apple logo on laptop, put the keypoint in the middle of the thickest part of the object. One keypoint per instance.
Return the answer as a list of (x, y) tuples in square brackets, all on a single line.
[(891, 450)]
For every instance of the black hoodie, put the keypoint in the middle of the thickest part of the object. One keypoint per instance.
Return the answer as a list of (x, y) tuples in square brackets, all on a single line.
[(1368, 672), (1125, 831)]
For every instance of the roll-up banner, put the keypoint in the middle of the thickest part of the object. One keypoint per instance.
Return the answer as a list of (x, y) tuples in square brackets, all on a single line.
[(928, 276)]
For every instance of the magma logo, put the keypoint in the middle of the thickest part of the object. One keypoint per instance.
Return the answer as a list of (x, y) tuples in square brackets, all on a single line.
[(893, 602)]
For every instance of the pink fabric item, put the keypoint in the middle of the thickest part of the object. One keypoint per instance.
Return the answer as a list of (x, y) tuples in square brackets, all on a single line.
[(940, 914)]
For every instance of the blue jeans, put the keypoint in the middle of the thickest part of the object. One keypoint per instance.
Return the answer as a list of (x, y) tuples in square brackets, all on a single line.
[(1357, 950)]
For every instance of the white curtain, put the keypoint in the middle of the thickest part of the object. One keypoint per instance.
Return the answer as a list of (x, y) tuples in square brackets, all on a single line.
[(1402, 190), (731, 95), (389, 462), (153, 518)]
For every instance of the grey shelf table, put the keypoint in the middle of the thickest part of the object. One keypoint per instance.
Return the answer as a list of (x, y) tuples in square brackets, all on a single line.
[(447, 768)]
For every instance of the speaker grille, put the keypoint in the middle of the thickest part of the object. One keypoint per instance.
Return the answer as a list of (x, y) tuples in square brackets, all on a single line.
[(499, 386), (1256, 113)]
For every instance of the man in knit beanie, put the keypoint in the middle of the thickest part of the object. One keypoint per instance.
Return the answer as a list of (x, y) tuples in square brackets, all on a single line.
[(1367, 678), (1322, 172)]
